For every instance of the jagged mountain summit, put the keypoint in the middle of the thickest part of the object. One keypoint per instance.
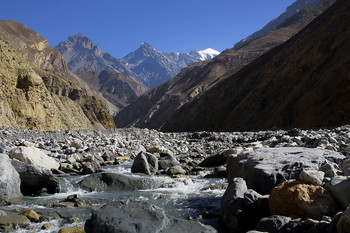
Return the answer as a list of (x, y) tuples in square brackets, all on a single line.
[(156, 107), (302, 83), (146, 64), (155, 67), (82, 55)]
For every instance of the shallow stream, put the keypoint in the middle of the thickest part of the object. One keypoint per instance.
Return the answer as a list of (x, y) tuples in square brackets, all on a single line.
[(188, 197)]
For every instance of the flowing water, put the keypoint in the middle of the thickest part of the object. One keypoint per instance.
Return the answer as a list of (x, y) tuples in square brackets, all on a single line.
[(179, 197)]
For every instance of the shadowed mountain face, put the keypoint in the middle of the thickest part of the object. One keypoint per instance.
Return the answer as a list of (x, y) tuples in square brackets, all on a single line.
[(118, 88), (154, 108), (305, 82), (293, 9)]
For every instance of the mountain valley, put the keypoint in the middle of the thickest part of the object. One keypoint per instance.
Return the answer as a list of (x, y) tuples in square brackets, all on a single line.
[(156, 107), (250, 140)]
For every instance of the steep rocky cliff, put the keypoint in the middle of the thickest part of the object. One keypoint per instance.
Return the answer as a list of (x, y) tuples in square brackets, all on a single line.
[(153, 109), (37, 99), (32, 46), (36, 50), (304, 82)]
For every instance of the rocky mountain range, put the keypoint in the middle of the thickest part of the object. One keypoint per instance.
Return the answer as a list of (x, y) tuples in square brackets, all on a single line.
[(37, 90), (301, 83), (146, 64), (156, 107), (153, 67)]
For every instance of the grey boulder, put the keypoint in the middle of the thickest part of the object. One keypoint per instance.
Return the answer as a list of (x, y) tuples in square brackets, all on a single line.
[(263, 169), (340, 188), (145, 163), (343, 225), (167, 162), (138, 216), (9, 180), (214, 161), (272, 224), (109, 182), (35, 180), (232, 204)]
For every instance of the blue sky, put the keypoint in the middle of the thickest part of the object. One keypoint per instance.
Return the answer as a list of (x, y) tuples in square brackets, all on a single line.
[(120, 26)]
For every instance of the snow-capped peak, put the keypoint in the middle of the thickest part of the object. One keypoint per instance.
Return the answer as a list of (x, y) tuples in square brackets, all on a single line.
[(208, 54)]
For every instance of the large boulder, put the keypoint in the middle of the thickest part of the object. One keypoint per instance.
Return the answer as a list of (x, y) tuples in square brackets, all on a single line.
[(34, 180), (295, 199), (35, 157), (138, 216), (109, 182), (145, 163), (167, 162), (272, 224), (214, 161), (9, 180), (340, 188), (263, 169)]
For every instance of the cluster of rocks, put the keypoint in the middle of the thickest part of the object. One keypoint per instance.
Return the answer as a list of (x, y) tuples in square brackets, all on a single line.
[(279, 181), (288, 189)]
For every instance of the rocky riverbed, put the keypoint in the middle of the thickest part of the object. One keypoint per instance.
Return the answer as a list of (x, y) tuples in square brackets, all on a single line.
[(92, 181)]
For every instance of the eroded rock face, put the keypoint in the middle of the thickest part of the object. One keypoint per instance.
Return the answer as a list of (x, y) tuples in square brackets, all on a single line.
[(37, 99), (295, 199)]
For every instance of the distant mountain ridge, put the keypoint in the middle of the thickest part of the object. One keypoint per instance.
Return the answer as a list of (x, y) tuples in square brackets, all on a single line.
[(82, 55), (148, 65)]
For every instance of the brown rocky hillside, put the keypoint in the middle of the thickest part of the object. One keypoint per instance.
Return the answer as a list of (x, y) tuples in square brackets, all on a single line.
[(305, 82), (37, 99), (37, 51)]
